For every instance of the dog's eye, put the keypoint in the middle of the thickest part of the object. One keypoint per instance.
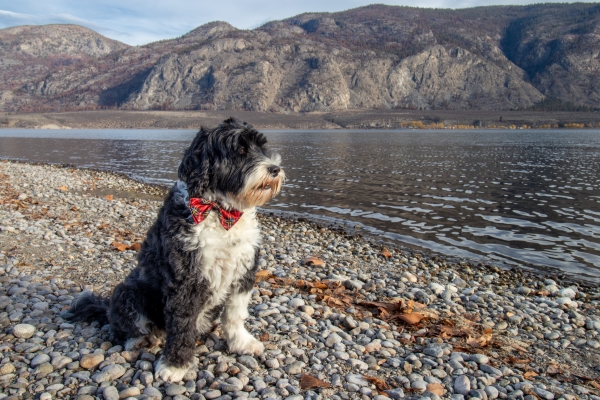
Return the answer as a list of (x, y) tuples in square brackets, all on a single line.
[(242, 151)]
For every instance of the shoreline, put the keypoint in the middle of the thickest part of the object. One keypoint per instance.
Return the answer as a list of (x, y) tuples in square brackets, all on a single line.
[(341, 119), (63, 230)]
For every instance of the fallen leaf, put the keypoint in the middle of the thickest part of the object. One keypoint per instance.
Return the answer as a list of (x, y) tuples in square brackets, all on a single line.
[(263, 337), (436, 388), (515, 360), (109, 197), (379, 383), (310, 382), (529, 374), (263, 275), (595, 384), (63, 188), (119, 246), (313, 261), (481, 341), (385, 252), (410, 319), (136, 246)]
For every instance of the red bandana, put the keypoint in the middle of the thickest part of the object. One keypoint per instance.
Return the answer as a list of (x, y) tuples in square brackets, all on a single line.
[(201, 207)]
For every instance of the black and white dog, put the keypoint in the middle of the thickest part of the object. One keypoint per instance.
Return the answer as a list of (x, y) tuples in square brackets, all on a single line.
[(199, 259)]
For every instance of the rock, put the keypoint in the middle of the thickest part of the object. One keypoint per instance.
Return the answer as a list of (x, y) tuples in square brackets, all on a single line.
[(129, 392), (90, 361), (23, 331), (7, 368), (544, 394), (295, 303), (332, 339), (358, 380), (295, 368), (39, 359), (436, 288), (434, 351), (248, 361), (114, 371), (110, 393), (524, 290), (491, 392), (173, 390), (409, 277), (462, 385), (153, 393), (566, 292), (353, 284), (479, 358)]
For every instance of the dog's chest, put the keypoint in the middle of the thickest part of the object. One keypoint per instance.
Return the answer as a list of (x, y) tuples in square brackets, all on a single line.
[(225, 256)]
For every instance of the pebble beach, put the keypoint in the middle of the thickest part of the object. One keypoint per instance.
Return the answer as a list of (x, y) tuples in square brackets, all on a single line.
[(341, 316)]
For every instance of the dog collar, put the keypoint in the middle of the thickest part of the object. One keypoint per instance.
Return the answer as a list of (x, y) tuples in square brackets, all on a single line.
[(201, 207)]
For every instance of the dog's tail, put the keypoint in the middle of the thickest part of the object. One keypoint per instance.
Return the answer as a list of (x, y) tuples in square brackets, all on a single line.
[(88, 307)]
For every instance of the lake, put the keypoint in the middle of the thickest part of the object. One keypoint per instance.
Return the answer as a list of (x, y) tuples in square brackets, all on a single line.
[(521, 197)]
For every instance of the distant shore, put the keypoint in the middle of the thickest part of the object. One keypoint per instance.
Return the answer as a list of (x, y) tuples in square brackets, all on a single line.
[(346, 119)]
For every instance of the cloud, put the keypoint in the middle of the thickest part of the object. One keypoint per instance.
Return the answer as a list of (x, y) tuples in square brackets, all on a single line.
[(141, 21)]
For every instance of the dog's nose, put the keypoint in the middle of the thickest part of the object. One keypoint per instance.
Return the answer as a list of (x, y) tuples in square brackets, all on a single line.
[(274, 170)]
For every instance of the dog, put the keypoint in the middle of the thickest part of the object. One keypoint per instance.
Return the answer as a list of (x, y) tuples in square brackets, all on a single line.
[(198, 261)]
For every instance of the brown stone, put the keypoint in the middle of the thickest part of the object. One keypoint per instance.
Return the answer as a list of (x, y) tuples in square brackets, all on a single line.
[(90, 361)]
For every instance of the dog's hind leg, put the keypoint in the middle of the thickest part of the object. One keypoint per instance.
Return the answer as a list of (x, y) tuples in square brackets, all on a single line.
[(127, 320), (232, 321)]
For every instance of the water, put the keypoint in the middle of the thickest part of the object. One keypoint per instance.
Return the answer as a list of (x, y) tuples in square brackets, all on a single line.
[(528, 198)]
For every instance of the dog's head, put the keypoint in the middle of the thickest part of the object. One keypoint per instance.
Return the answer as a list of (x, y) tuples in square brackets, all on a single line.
[(231, 164)]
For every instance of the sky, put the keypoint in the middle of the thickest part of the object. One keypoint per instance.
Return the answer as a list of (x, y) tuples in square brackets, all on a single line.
[(137, 22)]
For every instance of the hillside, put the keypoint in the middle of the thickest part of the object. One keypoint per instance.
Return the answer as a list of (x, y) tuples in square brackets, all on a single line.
[(374, 57)]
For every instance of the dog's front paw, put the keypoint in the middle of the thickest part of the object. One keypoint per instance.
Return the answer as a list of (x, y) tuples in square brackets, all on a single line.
[(169, 373), (246, 344)]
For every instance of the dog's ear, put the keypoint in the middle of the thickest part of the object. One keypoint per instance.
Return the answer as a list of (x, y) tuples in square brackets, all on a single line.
[(195, 165)]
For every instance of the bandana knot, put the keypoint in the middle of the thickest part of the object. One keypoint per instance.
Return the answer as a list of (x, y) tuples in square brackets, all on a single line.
[(200, 208)]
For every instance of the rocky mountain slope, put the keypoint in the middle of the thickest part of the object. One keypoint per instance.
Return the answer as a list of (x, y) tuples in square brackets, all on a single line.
[(378, 57)]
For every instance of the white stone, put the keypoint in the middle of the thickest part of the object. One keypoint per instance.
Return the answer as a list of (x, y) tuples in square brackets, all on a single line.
[(566, 292), (23, 331)]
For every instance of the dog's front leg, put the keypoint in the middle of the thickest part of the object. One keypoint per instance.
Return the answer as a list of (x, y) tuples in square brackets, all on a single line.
[(232, 321), (178, 353)]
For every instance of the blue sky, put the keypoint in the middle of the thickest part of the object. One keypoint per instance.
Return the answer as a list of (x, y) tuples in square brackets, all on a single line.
[(139, 22)]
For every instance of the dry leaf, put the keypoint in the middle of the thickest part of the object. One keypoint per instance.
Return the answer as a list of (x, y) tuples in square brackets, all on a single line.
[(595, 384), (516, 360), (313, 261), (263, 337), (386, 253), (310, 382), (109, 197), (436, 388), (136, 246), (263, 275), (379, 383), (119, 246), (529, 374), (410, 319), (481, 341), (63, 188)]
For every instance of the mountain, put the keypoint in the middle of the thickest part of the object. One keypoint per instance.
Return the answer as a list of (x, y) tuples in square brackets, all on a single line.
[(373, 57)]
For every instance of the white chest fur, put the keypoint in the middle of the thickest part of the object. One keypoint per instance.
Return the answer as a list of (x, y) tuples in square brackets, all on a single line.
[(224, 256)]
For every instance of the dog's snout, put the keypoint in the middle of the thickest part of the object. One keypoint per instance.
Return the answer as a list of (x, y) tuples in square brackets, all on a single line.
[(274, 170)]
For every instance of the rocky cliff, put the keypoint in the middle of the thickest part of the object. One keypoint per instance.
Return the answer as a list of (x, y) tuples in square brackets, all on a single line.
[(490, 58)]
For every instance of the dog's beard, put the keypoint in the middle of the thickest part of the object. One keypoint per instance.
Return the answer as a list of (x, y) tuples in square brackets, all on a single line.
[(261, 186)]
